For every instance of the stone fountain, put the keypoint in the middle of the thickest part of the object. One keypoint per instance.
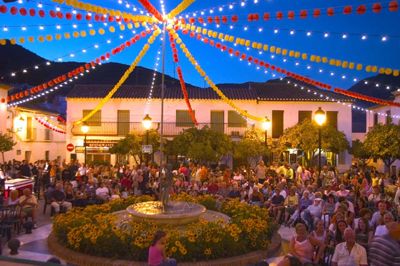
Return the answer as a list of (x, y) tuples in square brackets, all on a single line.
[(170, 212)]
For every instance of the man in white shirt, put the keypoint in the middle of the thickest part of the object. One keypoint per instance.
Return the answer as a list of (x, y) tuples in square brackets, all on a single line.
[(349, 253), (102, 192)]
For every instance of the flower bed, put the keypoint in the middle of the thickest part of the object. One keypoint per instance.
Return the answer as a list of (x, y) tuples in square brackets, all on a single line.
[(93, 231)]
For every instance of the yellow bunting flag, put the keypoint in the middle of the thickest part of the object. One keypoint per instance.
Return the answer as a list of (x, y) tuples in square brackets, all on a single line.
[(297, 54), (122, 79), (180, 8)]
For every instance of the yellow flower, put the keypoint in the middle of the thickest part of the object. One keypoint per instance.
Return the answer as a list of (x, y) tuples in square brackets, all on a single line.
[(207, 251), (192, 239), (174, 249)]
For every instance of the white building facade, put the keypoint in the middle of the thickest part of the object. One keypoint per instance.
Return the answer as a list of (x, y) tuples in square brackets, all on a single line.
[(383, 114), (124, 112), (34, 140)]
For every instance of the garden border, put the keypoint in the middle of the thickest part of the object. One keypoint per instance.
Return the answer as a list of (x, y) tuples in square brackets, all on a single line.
[(74, 257)]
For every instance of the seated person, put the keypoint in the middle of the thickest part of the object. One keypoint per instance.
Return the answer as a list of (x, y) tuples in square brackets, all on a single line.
[(256, 197), (57, 198), (102, 192), (28, 204), (303, 246)]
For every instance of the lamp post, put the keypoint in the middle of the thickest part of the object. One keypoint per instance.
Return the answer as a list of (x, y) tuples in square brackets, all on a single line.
[(266, 125), (320, 119), (85, 130), (147, 122)]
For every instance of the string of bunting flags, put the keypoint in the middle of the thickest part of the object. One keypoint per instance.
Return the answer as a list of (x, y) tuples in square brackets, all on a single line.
[(67, 35), (345, 64), (122, 79), (45, 122), (361, 9), (224, 48), (202, 73), (77, 71), (181, 79), (105, 11)]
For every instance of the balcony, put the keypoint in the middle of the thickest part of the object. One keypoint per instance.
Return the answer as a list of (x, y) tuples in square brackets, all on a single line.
[(171, 129)]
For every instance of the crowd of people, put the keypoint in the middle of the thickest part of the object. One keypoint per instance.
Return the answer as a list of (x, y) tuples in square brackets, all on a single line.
[(339, 219)]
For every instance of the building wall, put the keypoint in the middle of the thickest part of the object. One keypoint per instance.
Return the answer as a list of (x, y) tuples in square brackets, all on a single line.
[(382, 120), (3, 108), (202, 108), (35, 146)]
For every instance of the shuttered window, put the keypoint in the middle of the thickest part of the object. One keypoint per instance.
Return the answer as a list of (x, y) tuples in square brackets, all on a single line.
[(388, 117), (236, 120), (331, 118), (277, 123), (95, 120), (183, 118), (303, 115)]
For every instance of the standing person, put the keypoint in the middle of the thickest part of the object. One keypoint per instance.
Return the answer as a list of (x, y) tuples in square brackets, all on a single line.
[(157, 256), (385, 250), (261, 172), (349, 252), (25, 169)]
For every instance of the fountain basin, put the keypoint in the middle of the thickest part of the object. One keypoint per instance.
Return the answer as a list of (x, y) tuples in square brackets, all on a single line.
[(177, 213)]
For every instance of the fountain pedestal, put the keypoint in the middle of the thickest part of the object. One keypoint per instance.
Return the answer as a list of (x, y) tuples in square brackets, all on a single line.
[(176, 212)]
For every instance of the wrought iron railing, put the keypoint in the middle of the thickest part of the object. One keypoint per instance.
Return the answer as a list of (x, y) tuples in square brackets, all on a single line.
[(170, 128)]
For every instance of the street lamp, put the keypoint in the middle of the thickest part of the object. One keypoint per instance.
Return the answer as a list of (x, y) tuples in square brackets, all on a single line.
[(320, 119), (266, 125), (85, 130), (147, 122)]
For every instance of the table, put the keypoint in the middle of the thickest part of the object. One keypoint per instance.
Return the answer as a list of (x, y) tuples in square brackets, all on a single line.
[(18, 184)]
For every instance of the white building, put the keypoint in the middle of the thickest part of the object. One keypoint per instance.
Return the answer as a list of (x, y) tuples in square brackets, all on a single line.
[(284, 104), (382, 114), (34, 140)]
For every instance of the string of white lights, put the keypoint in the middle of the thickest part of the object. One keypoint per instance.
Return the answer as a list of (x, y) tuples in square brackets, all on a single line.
[(153, 80), (318, 92), (308, 33), (309, 67), (54, 89), (162, 7), (72, 54)]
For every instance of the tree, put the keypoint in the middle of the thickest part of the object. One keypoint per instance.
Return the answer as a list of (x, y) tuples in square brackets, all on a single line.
[(383, 142), (6, 143), (304, 136), (358, 151), (203, 145), (132, 145), (250, 147)]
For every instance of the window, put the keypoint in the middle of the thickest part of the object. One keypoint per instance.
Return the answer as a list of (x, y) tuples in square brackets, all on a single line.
[(183, 119), (376, 121), (303, 115), (95, 120), (388, 117), (47, 134), (236, 120), (123, 119), (277, 123), (217, 121), (29, 128), (331, 118)]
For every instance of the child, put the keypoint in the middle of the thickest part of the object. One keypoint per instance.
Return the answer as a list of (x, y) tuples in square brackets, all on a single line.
[(157, 255)]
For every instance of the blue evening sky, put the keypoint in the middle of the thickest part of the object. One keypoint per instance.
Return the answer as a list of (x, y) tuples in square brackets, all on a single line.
[(220, 67)]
